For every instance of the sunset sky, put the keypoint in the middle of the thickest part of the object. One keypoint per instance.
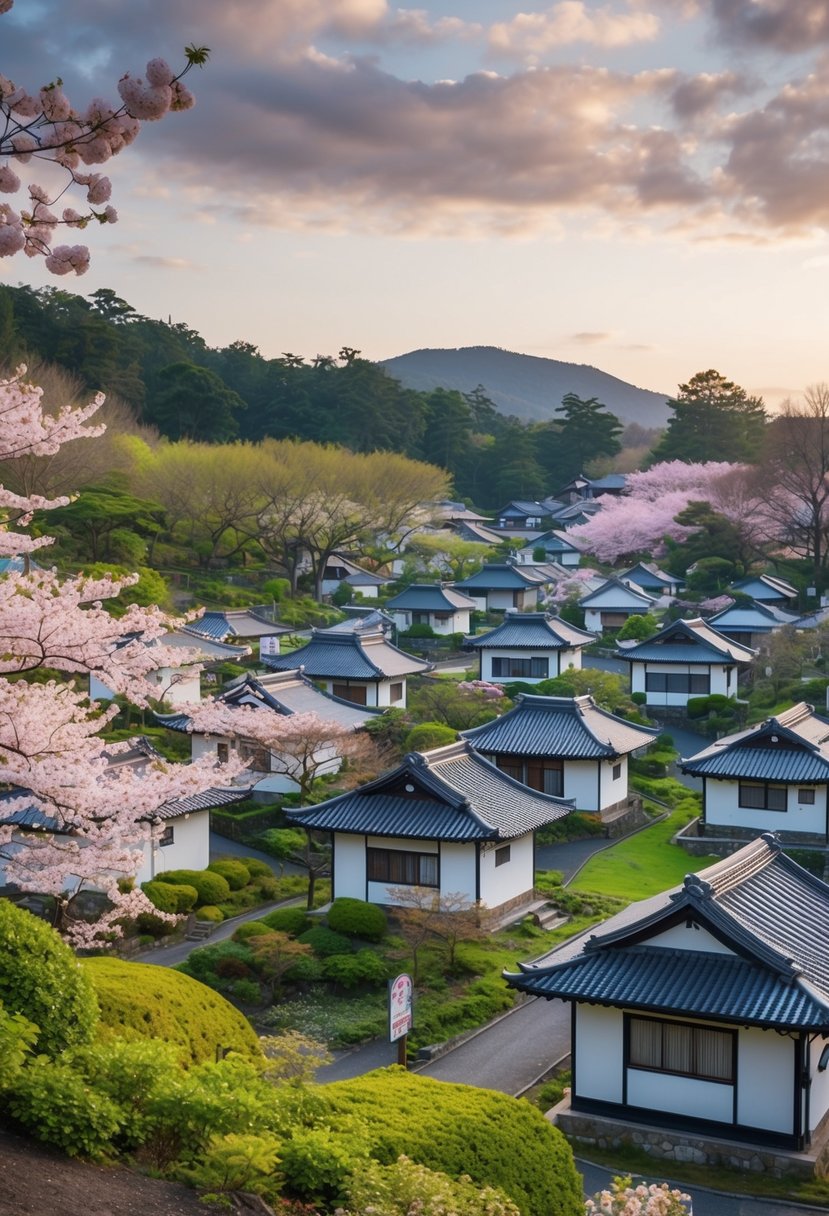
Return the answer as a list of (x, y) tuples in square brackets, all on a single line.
[(641, 185)]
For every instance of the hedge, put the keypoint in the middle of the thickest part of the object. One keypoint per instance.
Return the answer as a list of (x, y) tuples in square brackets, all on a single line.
[(236, 873), (356, 918), (139, 1001), (170, 896), (325, 942), (428, 735), (497, 1140), (287, 920), (41, 979), (211, 888)]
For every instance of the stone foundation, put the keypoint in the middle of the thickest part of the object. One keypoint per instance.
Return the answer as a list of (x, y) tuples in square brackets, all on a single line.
[(624, 817), (608, 1133), (704, 840)]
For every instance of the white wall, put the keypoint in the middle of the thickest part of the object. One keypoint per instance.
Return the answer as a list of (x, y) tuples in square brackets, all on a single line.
[(599, 1053), (679, 937), (819, 1095), (593, 620), (681, 1095), (765, 1080), (505, 652), (514, 877), (722, 809), (457, 869), (378, 892), (190, 849), (719, 680), (613, 790), (349, 866), (581, 782)]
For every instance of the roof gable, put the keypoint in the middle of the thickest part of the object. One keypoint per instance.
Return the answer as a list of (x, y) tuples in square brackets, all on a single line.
[(574, 728), (615, 593), (688, 641), (348, 655), (535, 630)]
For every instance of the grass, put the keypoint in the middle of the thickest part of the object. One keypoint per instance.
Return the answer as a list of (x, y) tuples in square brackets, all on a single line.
[(631, 1160), (642, 865)]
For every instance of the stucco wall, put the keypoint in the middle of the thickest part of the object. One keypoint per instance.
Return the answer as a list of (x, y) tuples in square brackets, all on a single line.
[(719, 682), (722, 808), (765, 1080), (599, 1053), (514, 877), (349, 866), (190, 849)]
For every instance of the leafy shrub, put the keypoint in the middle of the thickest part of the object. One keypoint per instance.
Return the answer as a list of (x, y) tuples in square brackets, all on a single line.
[(251, 928), (457, 1129), (356, 918), (170, 896), (637, 627), (287, 920), (267, 887), (639, 698), (258, 868), (203, 964), (418, 631), (351, 970), (233, 969), (236, 873), (325, 942), (138, 1000), (41, 979), (211, 888), (55, 1104), (152, 926), (208, 912), (237, 1163), (317, 1162), (247, 991), (404, 1187), (428, 735)]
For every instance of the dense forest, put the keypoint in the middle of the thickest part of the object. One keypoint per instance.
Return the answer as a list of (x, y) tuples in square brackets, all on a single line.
[(172, 381)]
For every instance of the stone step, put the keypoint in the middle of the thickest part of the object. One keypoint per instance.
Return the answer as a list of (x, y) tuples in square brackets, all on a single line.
[(201, 930), (549, 917)]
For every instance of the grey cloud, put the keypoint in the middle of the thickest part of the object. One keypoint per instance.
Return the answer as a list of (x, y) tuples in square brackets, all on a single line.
[(699, 94), (784, 25), (589, 337)]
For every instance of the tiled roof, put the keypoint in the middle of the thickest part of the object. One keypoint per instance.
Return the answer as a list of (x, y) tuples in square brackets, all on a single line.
[(430, 597), (556, 542), (772, 914), (450, 793), (522, 506), (793, 746), (765, 584), (613, 593), (535, 630), (752, 618), (240, 623), (648, 574), (199, 802), (367, 622), (692, 641), (479, 533), (350, 656), (208, 647), (573, 728), (498, 577)]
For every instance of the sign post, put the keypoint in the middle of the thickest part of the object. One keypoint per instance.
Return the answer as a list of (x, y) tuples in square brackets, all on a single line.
[(401, 991)]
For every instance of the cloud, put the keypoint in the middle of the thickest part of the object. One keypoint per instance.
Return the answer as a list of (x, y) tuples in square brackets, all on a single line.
[(163, 263), (783, 25), (695, 95), (531, 35), (589, 337)]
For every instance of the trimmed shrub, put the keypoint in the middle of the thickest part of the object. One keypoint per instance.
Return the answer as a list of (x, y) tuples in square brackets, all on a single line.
[(209, 912), (251, 928), (268, 887), (211, 888), (458, 1129), (325, 942), (236, 873), (257, 868), (141, 1001), (351, 970), (41, 979), (55, 1104), (356, 918), (287, 920), (428, 735), (170, 896)]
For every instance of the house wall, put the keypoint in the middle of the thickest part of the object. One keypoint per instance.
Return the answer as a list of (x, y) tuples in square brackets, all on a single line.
[(457, 870), (513, 878), (681, 937), (599, 1053), (487, 655), (369, 591), (819, 1092), (680, 1095), (720, 680), (722, 809), (456, 622), (377, 693), (190, 849), (349, 866), (499, 601), (613, 791), (378, 892), (276, 782), (176, 685), (581, 782), (765, 1080)]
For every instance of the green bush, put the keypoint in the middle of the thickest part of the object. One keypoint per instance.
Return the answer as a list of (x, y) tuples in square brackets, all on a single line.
[(211, 888), (325, 942), (351, 970), (41, 979), (148, 925), (267, 887), (404, 1188), (498, 1141), (287, 920), (418, 631), (356, 918), (203, 964), (246, 991), (170, 896), (55, 1104), (236, 873), (258, 868), (141, 1001), (209, 912), (250, 928), (427, 735), (317, 1163)]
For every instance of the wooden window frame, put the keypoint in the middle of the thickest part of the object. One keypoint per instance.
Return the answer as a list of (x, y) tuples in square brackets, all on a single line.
[(382, 862), (695, 1033), (765, 787), (502, 855)]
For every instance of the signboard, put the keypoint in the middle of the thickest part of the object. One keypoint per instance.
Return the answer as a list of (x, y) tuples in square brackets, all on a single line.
[(400, 1007), (269, 646)]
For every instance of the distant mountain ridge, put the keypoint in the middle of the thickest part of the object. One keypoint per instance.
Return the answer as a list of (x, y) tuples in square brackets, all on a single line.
[(528, 386)]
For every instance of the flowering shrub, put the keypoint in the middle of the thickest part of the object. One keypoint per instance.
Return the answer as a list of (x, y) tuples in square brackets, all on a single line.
[(625, 1199), (490, 692)]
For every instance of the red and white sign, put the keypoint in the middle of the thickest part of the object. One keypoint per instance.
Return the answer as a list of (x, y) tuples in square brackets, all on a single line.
[(401, 992)]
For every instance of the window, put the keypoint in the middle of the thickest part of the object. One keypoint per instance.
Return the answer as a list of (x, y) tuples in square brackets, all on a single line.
[(399, 867), (763, 796), (517, 669), (396, 692), (355, 693), (693, 683), (502, 855), (676, 1047), (421, 618), (806, 797), (223, 752), (544, 775), (617, 772), (258, 757), (167, 837)]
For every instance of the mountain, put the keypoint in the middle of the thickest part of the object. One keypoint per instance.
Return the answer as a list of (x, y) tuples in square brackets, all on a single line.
[(529, 387)]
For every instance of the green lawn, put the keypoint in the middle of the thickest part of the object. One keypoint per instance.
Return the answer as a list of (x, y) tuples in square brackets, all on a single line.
[(643, 864)]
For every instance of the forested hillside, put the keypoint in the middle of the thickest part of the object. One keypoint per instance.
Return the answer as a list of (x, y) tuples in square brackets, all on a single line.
[(173, 381)]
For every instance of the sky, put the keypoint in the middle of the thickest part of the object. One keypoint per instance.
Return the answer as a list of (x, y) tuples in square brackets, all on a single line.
[(640, 185)]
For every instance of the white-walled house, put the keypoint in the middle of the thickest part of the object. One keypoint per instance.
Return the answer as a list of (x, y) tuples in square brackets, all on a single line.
[(341, 569), (685, 659), (648, 577), (283, 693), (752, 622), (772, 777), (360, 667), (179, 685), (767, 589), (240, 624), (611, 604), (443, 609), (558, 547), (565, 746), (500, 585), (529, 646), (704, 1010), (445, 821)]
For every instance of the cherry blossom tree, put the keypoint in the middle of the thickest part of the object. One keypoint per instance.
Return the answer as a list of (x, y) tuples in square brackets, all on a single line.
[(50, 745), (45, 126)]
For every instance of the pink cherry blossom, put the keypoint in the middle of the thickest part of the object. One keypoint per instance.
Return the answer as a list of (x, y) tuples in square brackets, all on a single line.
[(9, 181)]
